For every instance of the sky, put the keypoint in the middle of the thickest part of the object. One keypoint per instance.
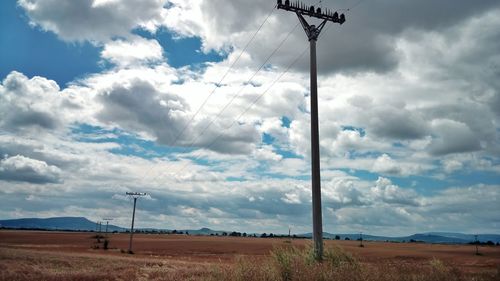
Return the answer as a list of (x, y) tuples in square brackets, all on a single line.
[(204, 105)]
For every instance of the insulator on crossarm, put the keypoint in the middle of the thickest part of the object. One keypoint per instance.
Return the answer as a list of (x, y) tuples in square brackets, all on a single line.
[(335, 16), (287, 2), (342, 18), (318, 11), (311, 9)]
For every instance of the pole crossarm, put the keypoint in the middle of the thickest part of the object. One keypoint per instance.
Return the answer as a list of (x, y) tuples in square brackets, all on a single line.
[(312, 31), (136, 193), (303, 9)]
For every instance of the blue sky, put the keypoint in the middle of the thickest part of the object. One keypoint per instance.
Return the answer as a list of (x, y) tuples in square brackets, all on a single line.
[(95, 103), (34, 52)]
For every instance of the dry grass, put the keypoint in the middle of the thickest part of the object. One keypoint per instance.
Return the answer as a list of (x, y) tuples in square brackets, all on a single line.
[(285, 263), (24, 265), (289, 263)]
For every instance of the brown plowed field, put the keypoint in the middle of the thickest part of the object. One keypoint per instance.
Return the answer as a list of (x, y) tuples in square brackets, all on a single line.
[(225, 250)]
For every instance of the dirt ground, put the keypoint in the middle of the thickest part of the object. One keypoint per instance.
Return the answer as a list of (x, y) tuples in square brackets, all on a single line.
[(214, 249)]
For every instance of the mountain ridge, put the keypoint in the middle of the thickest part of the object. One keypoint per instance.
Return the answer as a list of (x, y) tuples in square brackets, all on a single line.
[(83, 224), (57, 223)]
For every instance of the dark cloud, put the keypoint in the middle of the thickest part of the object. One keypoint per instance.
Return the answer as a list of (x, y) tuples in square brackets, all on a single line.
[(453, 137), (26, 118), (141, 108), (396, 123), (367, 40)]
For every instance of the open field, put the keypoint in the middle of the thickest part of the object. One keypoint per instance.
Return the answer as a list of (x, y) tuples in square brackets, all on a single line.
[(32, 255)]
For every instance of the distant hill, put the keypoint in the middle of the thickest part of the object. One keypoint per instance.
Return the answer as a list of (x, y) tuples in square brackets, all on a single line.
[(469, 237), (431, 237), (83, 224), (58, 223), (205, 231)]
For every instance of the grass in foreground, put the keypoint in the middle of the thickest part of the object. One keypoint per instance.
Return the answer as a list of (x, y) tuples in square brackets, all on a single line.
[(286, 263), (290, 263)]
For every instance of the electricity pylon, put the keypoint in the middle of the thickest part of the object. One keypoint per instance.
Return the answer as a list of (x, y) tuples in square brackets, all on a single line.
[(134, 195), (312, 33)]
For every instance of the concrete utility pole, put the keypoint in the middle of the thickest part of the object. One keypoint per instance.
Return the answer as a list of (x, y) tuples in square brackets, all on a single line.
[(134, 195), (312, 33)]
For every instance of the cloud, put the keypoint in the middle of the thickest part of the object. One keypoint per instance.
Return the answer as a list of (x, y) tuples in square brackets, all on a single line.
[(38, 105), (452, 137), (386, 165), (451, 165), (365, 42), (342, 192), (23, 169), (134, 51), (29, 104), (396, 123), (415, 97), (392, 194), (291, 198), (96, 21), (139, 107)]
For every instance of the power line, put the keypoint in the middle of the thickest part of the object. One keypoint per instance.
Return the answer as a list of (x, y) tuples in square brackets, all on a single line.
[(233, 98), (353, 6), (249, 107), (238, 93), (241, 89), (217, 85)]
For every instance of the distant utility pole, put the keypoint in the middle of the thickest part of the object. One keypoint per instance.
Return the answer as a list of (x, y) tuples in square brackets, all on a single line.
[(476, 242), (98, 231), (134, 195), (107, 223), (361, 239), (312, 33)]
